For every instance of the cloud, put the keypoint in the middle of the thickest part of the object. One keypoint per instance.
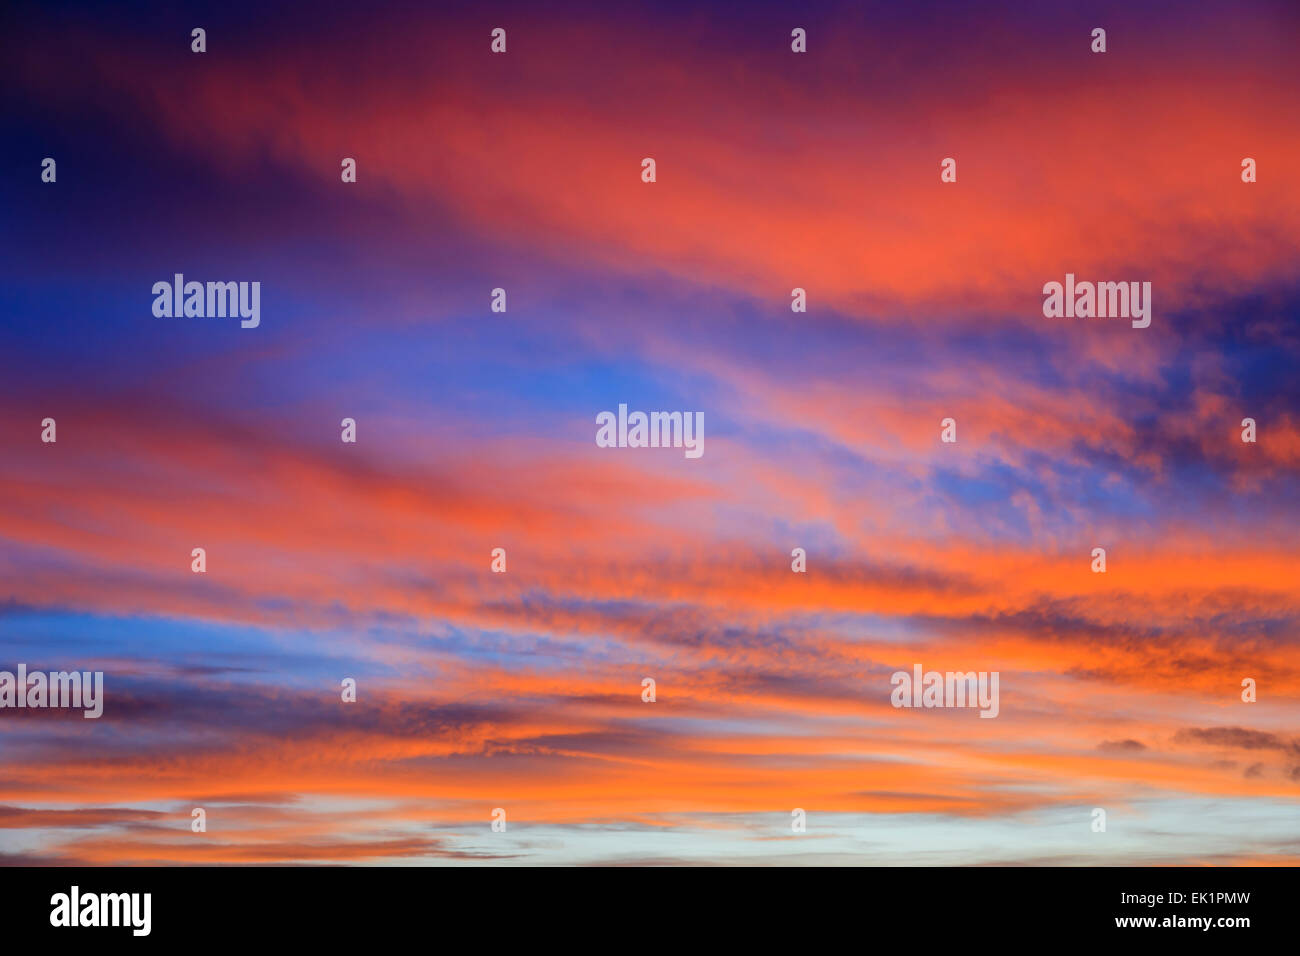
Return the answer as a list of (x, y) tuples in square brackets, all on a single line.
[(1121, 746), (1239, 738)]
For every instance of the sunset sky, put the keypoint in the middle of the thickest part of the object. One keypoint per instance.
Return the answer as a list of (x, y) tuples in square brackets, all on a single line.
[(475, 430)]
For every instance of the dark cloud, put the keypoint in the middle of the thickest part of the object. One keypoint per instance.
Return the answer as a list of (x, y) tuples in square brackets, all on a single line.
[(1238, 737), (20, 817), (1121, 745)]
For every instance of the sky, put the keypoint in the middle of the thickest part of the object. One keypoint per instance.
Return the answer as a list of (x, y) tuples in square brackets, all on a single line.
[(476, 430)]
